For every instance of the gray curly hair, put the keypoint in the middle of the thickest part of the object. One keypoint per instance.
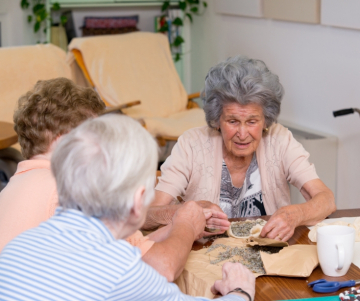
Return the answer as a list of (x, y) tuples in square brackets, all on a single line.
[(242, 80)]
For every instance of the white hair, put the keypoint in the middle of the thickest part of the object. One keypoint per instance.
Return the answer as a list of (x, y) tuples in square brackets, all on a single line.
[(241, 80), (100, 164)]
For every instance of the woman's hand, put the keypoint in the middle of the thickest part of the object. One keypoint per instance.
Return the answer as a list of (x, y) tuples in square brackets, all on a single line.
[(173, 242), (282, 224), (192, 216), (217, 220), (235, 275), (320, 203)]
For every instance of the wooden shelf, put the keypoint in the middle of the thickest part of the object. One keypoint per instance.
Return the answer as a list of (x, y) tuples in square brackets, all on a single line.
[(106, 3)]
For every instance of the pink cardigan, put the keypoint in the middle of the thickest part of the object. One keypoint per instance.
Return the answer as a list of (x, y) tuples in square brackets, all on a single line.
[(31, 198), (193, 171)]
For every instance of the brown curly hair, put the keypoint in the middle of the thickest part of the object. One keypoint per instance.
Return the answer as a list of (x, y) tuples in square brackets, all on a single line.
[(52, 108)]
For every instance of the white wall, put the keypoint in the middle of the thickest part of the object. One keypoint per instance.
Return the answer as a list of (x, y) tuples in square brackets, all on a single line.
[(319, 67), (15, 30)]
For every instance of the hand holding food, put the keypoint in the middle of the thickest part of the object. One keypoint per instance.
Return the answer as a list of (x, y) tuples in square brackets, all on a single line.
[(218, 222), (282, 224)]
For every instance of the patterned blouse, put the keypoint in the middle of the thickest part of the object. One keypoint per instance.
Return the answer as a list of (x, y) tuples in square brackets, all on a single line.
[(243, 201)]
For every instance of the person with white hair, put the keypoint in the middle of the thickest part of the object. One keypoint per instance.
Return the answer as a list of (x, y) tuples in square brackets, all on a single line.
[(105, 173), (243, 161)]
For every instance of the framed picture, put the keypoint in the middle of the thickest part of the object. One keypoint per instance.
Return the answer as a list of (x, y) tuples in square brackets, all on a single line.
[(306, 11)]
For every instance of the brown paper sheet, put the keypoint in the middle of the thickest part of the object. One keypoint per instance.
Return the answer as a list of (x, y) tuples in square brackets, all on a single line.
[(293, 261), (199, 275)]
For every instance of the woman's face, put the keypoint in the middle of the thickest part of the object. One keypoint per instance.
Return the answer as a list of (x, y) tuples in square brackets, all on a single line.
[(241, 128)]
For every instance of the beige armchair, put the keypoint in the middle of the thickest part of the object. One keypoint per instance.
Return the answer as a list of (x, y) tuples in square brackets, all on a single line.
[(138, 67), (21, 68)]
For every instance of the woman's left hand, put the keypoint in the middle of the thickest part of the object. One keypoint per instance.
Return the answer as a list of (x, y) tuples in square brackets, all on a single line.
[(218, 219), (282, 224)]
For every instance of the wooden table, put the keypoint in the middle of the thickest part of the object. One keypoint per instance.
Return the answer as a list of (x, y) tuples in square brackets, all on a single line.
[(283, 288), (8, 136)]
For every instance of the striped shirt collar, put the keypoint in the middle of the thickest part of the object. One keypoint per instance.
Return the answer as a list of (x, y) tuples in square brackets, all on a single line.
[(71, 219)]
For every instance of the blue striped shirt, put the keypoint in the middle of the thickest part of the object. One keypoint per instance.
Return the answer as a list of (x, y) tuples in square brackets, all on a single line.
[(75, 257)]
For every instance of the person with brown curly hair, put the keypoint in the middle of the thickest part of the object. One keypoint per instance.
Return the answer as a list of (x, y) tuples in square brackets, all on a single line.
[(51, 109)]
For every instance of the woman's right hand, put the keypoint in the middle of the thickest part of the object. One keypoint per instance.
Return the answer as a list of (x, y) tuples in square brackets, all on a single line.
[(235, 275)]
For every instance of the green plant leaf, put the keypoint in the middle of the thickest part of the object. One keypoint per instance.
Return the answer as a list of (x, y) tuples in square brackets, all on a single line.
[(178, 41), (194, 9), (29, 18), (205, 4), (189, 16), (63, 20), (56, 6), (24, 4), (164, 28), (182, 5), (178, 22), (36, 26), (41, 15), (165, 5), (38, 7), (177, 57)]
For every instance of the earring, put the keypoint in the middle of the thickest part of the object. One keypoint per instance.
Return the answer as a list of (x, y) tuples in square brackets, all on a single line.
[(265, 130)]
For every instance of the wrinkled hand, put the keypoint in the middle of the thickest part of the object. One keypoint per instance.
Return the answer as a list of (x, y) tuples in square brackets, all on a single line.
[(217, 220), (235, 275), (282, 224), (191, 215)]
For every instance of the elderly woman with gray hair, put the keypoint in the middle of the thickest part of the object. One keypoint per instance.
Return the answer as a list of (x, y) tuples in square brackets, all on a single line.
[(105, 174), (242, 162)]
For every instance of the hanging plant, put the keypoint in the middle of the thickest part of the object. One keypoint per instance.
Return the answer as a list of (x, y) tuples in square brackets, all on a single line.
[(40, 15), (189, 9)]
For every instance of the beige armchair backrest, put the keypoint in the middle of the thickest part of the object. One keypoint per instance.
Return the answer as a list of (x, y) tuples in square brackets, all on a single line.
[(22, 67), (134, 66)]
